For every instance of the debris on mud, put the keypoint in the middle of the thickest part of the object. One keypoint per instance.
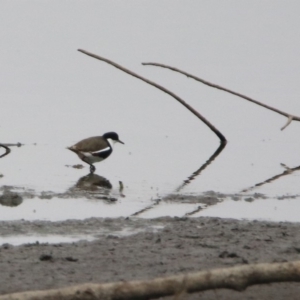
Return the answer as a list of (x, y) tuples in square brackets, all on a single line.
[(153, 248)]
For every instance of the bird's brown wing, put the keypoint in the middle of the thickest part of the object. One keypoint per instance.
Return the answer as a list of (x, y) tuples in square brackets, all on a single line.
[(91, 144)]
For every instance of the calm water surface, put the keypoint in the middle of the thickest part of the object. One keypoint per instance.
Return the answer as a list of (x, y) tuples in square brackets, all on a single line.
[(53, 96)]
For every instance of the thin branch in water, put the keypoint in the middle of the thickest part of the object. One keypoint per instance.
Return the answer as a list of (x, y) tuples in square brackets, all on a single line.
[(235, 278), (7, 150), (289, 116), (190, 108), (12, 144)]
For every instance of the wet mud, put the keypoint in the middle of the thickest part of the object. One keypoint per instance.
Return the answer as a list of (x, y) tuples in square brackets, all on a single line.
[(134, 248)]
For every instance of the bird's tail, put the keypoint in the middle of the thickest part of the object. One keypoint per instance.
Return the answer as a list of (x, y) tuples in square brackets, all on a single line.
[(72, 149)]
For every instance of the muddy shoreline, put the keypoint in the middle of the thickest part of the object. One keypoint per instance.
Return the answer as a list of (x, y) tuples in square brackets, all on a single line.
[(133, 248)]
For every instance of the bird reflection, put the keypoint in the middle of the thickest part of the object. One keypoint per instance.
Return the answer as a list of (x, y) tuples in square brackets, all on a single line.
[(92, 182), (93, 186)]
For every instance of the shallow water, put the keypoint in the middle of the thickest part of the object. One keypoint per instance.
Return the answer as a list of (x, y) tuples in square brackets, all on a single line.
[(51, 239), (53, 96)]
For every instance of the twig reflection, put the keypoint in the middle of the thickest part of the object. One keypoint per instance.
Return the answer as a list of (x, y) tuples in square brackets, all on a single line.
[(156, 202), (203, 167), (288, 171)]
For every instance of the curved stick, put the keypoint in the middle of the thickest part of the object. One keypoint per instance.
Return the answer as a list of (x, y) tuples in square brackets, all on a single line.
[(191, 109), (7, 150), (236, 278), (289, 116)]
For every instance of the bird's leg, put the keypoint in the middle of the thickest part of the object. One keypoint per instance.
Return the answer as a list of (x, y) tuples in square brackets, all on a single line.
[(92, 169)]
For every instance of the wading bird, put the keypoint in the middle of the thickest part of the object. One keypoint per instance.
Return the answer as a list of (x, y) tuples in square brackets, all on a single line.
[(95, 149)]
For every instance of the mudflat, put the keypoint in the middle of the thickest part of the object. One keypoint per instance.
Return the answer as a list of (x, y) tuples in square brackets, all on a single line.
[(134, 248)]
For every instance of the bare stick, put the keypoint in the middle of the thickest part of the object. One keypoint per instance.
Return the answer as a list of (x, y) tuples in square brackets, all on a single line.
[(236, 278), (191, 109), (289, 116), (12, 144), (7, 150)]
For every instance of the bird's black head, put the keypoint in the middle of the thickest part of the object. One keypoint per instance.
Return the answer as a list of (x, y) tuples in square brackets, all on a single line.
[(113, 136)]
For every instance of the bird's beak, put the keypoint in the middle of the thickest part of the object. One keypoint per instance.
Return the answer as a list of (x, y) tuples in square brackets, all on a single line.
[(120, 142)]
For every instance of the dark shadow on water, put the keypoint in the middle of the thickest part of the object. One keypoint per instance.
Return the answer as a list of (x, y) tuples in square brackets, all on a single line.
[(90, 187), (288, 171), (11, 199)]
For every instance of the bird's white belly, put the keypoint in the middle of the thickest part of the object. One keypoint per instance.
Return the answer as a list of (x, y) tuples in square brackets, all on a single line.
[(91, 158)]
